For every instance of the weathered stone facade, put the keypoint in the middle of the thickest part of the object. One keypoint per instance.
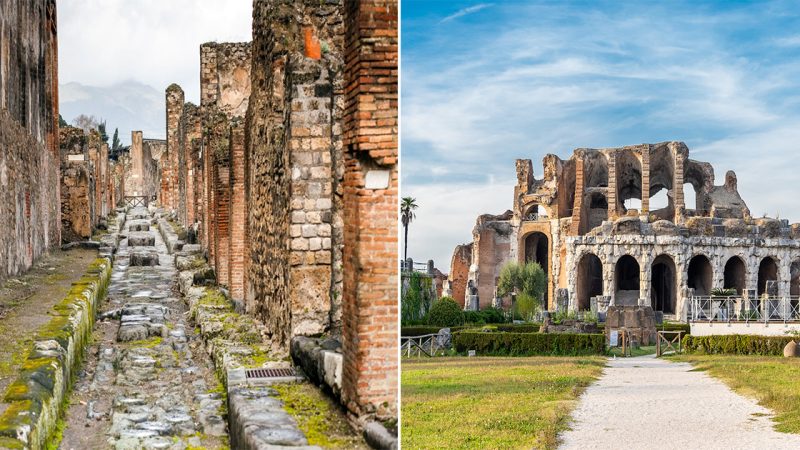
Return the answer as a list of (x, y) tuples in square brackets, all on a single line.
[(267, 182), (576, 224), (29, 152)]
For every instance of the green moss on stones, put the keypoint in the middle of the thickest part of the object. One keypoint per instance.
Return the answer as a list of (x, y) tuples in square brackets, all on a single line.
[(311, 411)]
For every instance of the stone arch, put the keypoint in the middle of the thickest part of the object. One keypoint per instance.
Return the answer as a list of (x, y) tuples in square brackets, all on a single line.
[(767, 271), (535, 211), (537, 249), (735, 274), (663, 284), (590, 280), (700, 275), (566, 189), (627, 276), (662, 177)]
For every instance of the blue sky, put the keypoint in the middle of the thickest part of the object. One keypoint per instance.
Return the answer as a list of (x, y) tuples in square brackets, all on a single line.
[(484, 83)]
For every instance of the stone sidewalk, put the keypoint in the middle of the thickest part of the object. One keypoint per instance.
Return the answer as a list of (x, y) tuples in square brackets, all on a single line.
[(645, 402), (146, 382)]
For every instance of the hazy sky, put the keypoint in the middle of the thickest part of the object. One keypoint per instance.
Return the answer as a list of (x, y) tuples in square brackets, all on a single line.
[(122, 43), (486, 83)]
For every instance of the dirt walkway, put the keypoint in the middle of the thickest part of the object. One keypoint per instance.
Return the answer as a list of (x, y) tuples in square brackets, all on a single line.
[(646, 402), (26, 300)]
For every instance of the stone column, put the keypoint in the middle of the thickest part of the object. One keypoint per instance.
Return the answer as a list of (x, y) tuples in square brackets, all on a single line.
[(645, 179), (238, 244), (612, 185)]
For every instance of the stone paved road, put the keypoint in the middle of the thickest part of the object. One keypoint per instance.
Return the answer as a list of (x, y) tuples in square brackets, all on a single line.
[(645, 403), (147, 382)]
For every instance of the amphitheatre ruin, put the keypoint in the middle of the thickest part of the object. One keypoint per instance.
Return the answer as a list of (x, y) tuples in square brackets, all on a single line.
[(612, 227), (255, 246)]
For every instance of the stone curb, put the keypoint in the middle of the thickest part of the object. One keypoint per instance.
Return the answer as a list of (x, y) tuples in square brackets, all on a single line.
[(38, 396)]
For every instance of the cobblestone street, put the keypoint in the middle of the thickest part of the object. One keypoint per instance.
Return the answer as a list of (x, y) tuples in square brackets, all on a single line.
[(147, 382)]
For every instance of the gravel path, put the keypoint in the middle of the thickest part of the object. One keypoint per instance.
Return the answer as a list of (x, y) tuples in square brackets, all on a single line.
[(646, 402)]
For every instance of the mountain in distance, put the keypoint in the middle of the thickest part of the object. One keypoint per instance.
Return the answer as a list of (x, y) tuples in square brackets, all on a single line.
[(128, 105)]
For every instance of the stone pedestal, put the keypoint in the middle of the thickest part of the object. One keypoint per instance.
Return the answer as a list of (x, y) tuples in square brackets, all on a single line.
[(638, 321)]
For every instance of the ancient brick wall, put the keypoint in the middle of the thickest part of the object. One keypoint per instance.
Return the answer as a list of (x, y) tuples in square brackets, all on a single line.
[(295, 168), (459, 272), (134, 181), (152, 149), (238, 223), (77, 184), (190, 132), (29, 153), (370, 208)]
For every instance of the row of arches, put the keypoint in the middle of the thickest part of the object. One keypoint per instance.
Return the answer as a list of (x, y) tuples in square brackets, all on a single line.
[(664, 281)]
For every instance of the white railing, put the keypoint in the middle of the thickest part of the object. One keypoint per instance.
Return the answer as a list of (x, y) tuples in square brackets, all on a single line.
[(427, 345), (739, 309)]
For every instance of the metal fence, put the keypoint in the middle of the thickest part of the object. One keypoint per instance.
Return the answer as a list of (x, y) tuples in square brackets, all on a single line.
[(740, 309)]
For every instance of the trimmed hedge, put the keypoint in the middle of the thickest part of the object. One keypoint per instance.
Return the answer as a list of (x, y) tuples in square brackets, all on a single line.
[(420, 330), (525, 344), (674, 327), (736, 344)]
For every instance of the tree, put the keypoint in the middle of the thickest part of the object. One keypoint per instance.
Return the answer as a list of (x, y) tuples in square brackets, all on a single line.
[(407, 207), (62, 122), (528, 281), (101, 128), (115, 143), (86, 123)]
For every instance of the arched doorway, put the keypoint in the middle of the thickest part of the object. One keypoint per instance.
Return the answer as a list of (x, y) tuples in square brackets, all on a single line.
[(767, 271), (735, 274), (794, 281), (700, 275), (590, 280), (663, 285), (626, 281), (537, 249)]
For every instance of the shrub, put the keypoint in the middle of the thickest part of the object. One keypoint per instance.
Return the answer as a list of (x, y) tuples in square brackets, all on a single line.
[(675, 327), (421, 330), (532, 327), (445, 313), (736, 344), (484, 316), (525, 344)]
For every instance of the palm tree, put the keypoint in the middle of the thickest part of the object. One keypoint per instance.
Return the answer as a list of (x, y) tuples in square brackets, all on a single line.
[(407, 207)]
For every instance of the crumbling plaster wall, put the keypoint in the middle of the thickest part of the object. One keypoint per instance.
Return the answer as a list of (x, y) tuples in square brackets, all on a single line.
[(459, 272), (29, 152)]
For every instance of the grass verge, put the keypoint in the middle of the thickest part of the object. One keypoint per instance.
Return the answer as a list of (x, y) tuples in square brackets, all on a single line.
[(492, 402), (769, 379)]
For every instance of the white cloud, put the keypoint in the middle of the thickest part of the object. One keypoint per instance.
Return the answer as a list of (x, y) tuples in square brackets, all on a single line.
[(468, 10), (155, 42)]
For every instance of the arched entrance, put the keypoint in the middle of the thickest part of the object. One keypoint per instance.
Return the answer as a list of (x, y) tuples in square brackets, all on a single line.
[(626, 281), (767, 271), (794, 281), (537, 249), (590, 280), (663, 285), (735, 274), (700, 275)]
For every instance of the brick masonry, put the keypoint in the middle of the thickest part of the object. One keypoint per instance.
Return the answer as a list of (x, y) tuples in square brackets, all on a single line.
[(370, 312)]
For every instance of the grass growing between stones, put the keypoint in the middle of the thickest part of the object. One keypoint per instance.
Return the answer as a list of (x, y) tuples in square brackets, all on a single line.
[(771, 380), (491, 402), (323, 422)]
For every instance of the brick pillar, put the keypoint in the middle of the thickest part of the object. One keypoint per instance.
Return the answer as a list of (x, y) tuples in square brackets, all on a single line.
[(369, 319), (680, 202), (612, 186), (645, 179), (174, 100), (238, 225), (104, 201), (577, 209), (137, 164)]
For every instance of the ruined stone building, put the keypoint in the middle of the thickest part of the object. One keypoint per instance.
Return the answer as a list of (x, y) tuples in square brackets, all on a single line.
[(614, 226), (287, 172), (29, 151)]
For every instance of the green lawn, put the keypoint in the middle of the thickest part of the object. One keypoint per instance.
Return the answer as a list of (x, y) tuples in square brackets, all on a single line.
[(487, 402), (773, 381)]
